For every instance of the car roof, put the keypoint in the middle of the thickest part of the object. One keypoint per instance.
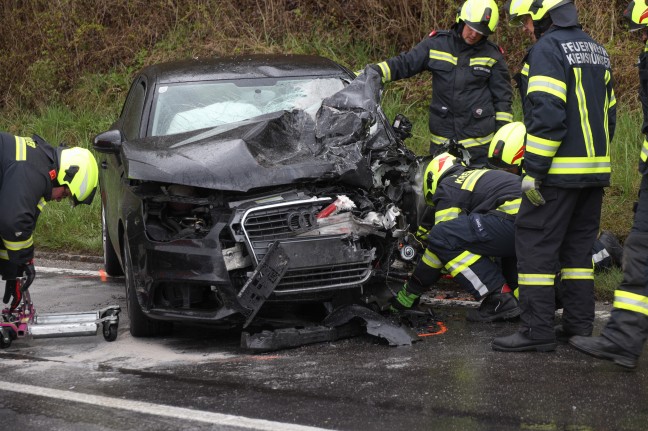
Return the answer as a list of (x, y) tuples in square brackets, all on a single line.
[(244, 66)]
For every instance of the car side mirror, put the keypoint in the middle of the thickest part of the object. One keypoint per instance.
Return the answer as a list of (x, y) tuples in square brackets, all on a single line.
[(108, 142)]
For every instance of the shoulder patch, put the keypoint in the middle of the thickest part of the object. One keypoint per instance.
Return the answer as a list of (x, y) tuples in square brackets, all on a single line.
[(501, 50), (432, 33)]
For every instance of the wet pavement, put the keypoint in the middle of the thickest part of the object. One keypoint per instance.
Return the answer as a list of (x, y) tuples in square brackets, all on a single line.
[(449, 381)]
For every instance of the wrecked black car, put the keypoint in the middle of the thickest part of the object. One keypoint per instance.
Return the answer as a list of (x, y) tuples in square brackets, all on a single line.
[(230, 185)]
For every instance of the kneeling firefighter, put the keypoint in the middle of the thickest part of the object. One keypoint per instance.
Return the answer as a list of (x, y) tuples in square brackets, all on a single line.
[(474, 213), (32, 173)]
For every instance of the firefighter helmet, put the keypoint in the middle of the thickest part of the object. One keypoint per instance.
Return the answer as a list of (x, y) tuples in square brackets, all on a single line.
[(636, 14), (507, 147), (78, 170), (480, 15), (536, 8), (434, 172)]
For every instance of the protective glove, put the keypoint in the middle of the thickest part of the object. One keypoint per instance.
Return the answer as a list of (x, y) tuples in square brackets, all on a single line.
[(530, 188), (12, 289), (29, 272)]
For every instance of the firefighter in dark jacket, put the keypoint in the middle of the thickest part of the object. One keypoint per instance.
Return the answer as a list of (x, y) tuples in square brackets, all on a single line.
[(570, 113), (474, 211), (623, 337), (31, 174), (471, 88)]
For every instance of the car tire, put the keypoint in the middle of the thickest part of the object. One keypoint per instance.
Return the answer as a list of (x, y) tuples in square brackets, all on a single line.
[(140, 324), (111, 260)]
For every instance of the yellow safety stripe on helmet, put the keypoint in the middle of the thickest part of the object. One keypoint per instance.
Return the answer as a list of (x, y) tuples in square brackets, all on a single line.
[(580, 165), (536, 279), (577, 274), (584, 112), (541, 146), (21, 149), (483, 61), (631, 301), (41, 204), (549, 85), (510, 207), (446, 215), (4, 255), (472, 178), (525, 69), (474, 142), (431, 260), (644, 151), (386, 71), (461, 262), (18, 245), (438, 140), (443, 56), (504, 116)]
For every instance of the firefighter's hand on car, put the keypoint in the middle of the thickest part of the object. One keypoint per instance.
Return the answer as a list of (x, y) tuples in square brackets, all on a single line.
[(530, 188), (29, 272)]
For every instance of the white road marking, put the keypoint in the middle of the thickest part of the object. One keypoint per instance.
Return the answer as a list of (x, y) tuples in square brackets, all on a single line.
[(156, 409), (50, 270)]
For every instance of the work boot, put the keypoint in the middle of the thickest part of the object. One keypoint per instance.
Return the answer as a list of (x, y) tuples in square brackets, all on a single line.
[(563, 335), (602, 348), (613, 246), (496, 306), (520, 342)]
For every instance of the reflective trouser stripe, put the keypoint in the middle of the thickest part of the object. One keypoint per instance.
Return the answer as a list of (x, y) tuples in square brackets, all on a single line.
[(461, 265), (644, 151), (536, 279), (631, 301), (577, 274), (431, 260), (18, 245)]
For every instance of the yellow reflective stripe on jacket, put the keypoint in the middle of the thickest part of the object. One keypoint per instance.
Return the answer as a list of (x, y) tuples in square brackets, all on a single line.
[(41, 204), (510, 207), (18, 245), (431, 260), (577, 274), (644, 151), (580, 165), (436, 139), (473, 142), (446, 215), (548, 85), (584, 112), (4, 255), (504, 116), (536, 279), (608, 76), (541, 146), (525, 69), (472, 178), (631, 301), (21, 149), (443, 56), (482, 61), (386, 71)]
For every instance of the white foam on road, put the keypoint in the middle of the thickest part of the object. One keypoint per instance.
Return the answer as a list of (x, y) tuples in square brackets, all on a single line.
[(160, 410)]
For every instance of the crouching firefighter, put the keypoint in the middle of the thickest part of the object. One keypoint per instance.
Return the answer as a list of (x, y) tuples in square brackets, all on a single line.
[(32, 173), (474, 213)]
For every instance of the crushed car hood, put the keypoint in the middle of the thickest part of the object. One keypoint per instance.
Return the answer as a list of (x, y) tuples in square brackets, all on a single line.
[(274, 149)]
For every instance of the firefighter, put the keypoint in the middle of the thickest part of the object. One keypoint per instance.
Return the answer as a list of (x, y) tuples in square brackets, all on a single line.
[(506, 152), (31, 174), (471, 89), (624, 335), (473, 222), (570, 114)]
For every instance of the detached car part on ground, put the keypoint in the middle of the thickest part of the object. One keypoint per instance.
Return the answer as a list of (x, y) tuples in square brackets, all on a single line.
[(220, 187)]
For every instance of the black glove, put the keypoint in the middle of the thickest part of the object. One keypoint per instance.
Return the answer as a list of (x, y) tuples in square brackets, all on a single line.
[(12, 289), (29, 272)]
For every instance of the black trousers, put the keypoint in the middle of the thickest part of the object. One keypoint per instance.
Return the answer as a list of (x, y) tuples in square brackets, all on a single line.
[(557, 238)]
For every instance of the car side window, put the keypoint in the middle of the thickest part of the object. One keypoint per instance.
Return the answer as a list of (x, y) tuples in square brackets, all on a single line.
[(132, 115)]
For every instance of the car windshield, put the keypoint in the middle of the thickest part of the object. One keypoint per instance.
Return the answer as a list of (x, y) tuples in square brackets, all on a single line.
[(191, 106)]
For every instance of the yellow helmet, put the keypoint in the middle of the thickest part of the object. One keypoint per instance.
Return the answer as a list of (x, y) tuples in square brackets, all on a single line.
[(434, 171), (536, 8), (507, 147), (480, 15), (78, 170), (636, 14)]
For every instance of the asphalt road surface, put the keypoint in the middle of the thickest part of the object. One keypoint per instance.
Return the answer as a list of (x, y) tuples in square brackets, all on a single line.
[(200, 379)]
